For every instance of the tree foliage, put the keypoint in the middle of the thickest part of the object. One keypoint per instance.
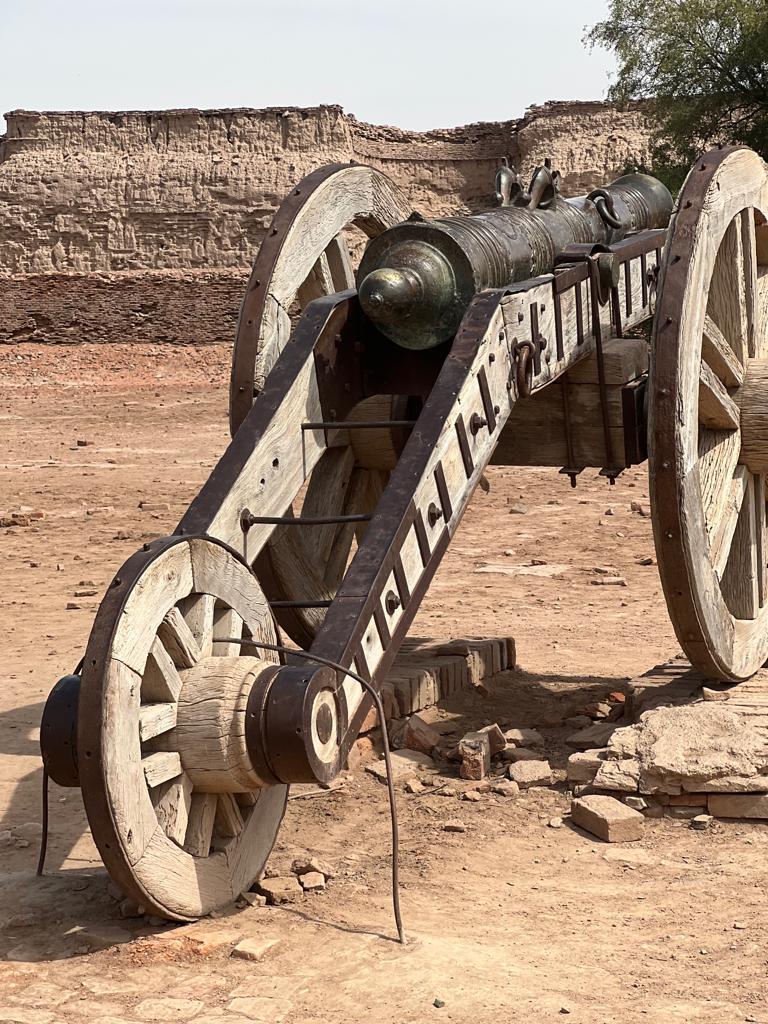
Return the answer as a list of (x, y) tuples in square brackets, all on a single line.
[(701, 64)]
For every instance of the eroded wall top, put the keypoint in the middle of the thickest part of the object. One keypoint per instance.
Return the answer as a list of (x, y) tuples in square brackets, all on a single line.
[(180, 189)]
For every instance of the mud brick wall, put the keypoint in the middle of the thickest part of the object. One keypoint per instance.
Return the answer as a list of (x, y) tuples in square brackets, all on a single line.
[(142, 225)]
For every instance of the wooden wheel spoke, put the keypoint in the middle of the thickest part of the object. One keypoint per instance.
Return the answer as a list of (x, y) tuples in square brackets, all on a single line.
[(718, 456), (229, 816), (161, 681), (319, 282), (155, 719), (355, 502), (226, 623), (340, 265), (724, 526), (197, 610), (761, 547), (327, 489), (749, 249), (727, 301), (172, 801), (178, 640), (719, 356), (717, 410), (202, 813), (740, 582), (161, 767)]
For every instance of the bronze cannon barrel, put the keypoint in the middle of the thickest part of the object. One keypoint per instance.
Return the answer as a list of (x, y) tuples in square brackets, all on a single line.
[(417, 279)]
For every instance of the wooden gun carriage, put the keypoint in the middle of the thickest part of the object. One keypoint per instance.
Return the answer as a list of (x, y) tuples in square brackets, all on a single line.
[(354, 454)]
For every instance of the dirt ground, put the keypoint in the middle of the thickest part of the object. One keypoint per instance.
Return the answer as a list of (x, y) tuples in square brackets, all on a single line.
[(511, 920)]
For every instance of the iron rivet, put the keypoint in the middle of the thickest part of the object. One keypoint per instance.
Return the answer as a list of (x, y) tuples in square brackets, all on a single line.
[(391, 602), (434, 514)]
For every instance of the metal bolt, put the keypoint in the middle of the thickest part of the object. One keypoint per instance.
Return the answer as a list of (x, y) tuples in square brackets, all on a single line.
[(434, 514), (477, 423), (391, 602)]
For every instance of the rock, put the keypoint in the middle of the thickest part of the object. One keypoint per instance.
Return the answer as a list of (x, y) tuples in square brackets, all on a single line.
[(253, 949), (531, 773), (130, 908), (167, 1009), (745, 805), (578, 722), (609, 581), (637, 803), (101, 936), (438, 1004), (6, 838), (454, 825), (506, 788), (280, 890), (701, 822), (583, 765), (709, 694), (496, 739), (600, 710), (555, 822), (472, 796), (254, 899), (595, 735), (647, 560), (418, 735), (304, 865), (475, 750), (413, 786), (517, 509), (154, 506), (682, 813), (72, 606), (607, 818), (630, 857), (642, 510), (313, 881), (404, 763), (623, 776), (524, 737), (522, 754)]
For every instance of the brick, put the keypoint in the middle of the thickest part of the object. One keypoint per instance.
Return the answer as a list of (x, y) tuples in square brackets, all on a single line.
[(418, 735), (524, 737), (280, 890), (312, 881), (622, 776), (607, 818), (496, 739), (738, 805), (253, 949), (583, 765), (475, 750), (531, 773)]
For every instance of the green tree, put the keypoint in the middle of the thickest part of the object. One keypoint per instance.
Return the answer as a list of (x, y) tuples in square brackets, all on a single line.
[(702, 66)]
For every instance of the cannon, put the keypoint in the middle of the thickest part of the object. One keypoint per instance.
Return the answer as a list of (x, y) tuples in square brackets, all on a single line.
[(363, 416)]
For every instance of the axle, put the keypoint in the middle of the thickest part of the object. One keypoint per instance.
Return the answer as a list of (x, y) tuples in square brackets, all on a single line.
[(417, 279)]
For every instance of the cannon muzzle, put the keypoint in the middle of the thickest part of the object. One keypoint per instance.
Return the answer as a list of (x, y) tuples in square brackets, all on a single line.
[(417, 279)]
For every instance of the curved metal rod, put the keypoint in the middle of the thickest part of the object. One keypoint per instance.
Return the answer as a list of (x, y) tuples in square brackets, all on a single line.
[(280, 649)]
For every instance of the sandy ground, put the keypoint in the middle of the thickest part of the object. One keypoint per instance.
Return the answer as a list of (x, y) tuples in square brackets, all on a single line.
[(512, 920)]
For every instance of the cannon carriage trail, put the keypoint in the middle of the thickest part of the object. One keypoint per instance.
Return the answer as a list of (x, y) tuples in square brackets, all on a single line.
[(511, 912)]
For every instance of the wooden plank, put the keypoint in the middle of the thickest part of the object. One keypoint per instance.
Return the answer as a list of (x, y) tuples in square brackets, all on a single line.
[(160, 767), (202, 813), (719, 356), (717, 409), (624, 359), (161, 680), (155, 719), (172, 802), (178, 639)]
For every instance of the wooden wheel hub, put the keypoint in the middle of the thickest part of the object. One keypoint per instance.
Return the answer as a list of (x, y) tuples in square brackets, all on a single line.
[(210, 731)]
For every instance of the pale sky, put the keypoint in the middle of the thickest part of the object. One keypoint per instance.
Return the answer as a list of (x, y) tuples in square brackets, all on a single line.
[(413, 63)]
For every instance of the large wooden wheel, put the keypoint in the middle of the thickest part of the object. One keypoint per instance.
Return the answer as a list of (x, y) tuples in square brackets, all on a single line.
[(304, 256), (180, 816), (708, 428)]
